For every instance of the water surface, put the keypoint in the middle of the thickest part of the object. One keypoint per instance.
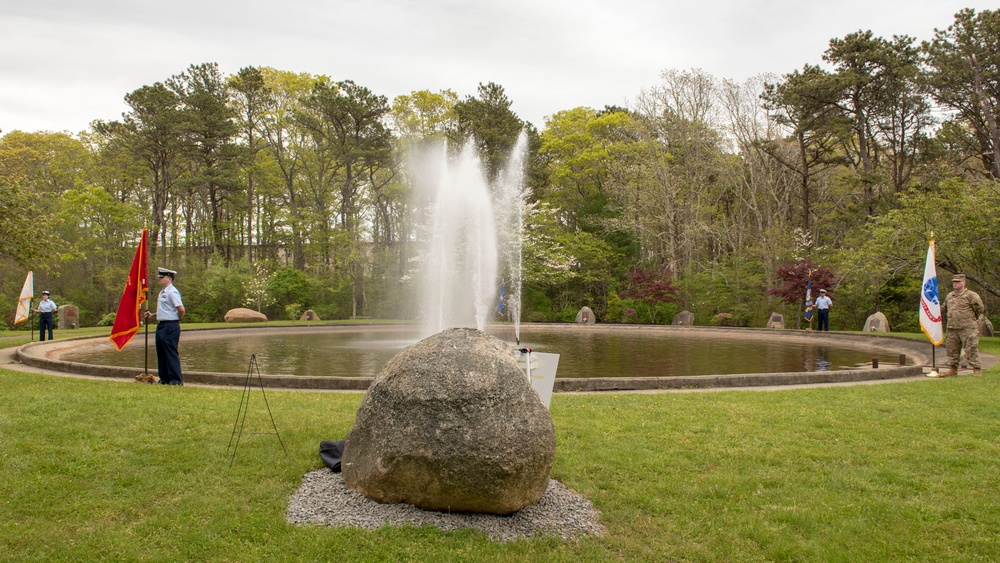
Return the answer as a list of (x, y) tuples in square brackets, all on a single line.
[(363, 351)]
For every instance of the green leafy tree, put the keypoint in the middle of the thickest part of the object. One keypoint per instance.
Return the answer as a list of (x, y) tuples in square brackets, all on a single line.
[(252, 99), (150, 130), (963, 75), (290, 286), (287, 147), (490, 123), (802, 102), (347, 123), (878, 94), (208, 127), (101, 234), (211, 292), (577, 146), (959, 216), (27, 200), (423, 115)]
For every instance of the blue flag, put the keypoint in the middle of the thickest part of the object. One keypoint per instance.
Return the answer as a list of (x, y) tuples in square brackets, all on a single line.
[(810, 308)]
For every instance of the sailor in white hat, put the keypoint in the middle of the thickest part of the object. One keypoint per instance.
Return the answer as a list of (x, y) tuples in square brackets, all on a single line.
[(823, 304), (46, 307), (169, 312)]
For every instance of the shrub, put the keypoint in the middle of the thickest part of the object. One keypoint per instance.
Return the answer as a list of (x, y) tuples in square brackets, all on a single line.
[(294, 311)]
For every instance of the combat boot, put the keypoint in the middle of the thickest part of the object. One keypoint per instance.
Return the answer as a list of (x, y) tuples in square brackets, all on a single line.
[(977, 372), (952, 372)]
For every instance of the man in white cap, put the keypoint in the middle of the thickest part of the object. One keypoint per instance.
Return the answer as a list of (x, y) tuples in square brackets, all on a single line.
[(169, 312), (823, 304), (45, 320)]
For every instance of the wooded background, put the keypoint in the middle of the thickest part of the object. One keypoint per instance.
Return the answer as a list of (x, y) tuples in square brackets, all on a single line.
[(285, 191)]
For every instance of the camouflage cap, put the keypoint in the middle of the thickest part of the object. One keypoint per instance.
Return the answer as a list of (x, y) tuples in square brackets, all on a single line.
[(958, 278)]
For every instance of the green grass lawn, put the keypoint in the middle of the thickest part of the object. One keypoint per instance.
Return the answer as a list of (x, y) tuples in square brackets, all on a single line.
[(95, 470)]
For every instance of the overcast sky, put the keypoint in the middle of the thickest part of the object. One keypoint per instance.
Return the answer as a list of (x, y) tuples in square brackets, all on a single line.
[(64, 63)]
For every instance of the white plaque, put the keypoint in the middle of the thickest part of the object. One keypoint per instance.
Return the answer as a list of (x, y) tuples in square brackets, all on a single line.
[(540, 368)]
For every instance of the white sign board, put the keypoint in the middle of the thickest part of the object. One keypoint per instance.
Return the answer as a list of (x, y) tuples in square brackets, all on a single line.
[(540, 368)]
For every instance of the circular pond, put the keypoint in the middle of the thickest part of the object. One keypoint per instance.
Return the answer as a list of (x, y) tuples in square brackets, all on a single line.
[(585, 351)]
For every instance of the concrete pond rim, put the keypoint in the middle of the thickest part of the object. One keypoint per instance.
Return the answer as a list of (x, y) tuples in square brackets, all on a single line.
[(46, 356)]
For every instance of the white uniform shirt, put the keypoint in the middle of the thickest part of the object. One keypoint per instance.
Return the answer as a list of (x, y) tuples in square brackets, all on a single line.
[(167, 304)]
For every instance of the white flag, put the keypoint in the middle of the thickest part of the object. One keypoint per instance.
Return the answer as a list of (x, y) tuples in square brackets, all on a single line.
[(930, 305), (24, 302)]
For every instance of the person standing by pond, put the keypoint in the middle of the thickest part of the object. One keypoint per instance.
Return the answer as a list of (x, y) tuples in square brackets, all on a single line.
[(962, 307), (46, 307), (823, 304), (169, 312)]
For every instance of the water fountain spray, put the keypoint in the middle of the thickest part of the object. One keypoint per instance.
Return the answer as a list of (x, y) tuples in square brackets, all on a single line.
[(475, 237)]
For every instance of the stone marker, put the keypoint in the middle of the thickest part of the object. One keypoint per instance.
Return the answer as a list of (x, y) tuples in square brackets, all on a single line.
[(777, 320), (684, 318), (586, 316), (877, 322), (452, 424), (242, 315), (309, 315), (69, 317), (985, 326)]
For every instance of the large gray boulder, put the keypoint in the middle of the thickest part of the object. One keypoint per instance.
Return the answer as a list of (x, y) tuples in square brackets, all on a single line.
[(452, 424)]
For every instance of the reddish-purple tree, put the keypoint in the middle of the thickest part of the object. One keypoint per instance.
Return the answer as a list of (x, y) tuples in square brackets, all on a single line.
[(793, 278), (651, 286)]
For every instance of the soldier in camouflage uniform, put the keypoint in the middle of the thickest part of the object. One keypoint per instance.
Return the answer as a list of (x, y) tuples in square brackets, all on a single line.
[(962, 307)]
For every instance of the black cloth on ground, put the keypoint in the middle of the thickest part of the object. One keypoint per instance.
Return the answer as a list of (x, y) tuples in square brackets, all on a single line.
[(330, 453)]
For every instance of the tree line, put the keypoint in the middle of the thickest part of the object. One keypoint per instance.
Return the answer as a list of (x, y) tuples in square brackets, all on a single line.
[(287, 191)]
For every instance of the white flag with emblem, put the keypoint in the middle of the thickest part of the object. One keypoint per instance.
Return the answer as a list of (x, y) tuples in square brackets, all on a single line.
[(930, 305)]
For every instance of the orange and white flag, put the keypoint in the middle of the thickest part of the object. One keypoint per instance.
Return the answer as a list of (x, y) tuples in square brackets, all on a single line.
[(24, 301)]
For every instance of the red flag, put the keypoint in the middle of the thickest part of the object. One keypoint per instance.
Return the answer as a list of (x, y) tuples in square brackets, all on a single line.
[(127, 319)]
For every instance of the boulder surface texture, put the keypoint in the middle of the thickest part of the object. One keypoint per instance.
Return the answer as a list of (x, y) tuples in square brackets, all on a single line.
[(452, 424)]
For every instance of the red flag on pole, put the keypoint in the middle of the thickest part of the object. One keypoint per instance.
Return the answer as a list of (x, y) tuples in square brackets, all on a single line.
[(127, 319)]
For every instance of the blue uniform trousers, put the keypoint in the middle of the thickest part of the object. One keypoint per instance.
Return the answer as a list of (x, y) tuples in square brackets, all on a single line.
[(45, 322), (824, 320), (168, 361)]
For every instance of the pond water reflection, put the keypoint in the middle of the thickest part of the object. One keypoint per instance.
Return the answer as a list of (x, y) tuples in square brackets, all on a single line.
[(361, 351)]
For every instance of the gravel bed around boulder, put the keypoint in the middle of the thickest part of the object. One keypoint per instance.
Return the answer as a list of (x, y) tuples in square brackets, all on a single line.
[(323, 500)]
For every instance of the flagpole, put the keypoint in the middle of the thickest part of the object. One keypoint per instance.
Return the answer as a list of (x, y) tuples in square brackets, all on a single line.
[(929, 310), (145, 321), (145, 368), (31, 318), (934, 371)]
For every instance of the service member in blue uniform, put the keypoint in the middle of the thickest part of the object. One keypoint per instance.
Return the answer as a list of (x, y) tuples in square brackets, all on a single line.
[(169, 312), (45, 320)]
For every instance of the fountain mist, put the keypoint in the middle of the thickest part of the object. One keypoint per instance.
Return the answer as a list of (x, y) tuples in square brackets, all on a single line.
[(475, 236)]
